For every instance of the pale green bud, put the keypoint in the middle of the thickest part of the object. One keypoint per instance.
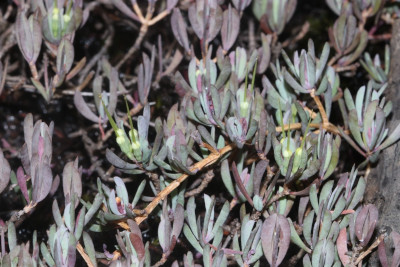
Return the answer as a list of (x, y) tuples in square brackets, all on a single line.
[(124, 143), (244, 107), (133, 134)]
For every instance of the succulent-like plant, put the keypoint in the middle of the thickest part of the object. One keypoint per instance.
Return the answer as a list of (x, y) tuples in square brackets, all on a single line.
[(259, 144), (275, 13)]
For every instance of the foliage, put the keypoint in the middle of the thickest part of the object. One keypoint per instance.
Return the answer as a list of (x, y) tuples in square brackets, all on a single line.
[(256, 113)]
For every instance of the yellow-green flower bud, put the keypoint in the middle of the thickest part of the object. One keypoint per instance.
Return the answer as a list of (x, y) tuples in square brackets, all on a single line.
[(120, 140), (133, 134), (55, 13), (54, 23), (244, 106), (124, 143), (67, 19), (287, 153), (120, 132), (299, 151), (297, 159)]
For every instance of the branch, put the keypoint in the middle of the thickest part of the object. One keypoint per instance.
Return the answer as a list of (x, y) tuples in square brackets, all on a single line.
[(211, 159)]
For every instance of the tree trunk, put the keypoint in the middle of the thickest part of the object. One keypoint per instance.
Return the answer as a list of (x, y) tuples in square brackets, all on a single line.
[(383, 186)]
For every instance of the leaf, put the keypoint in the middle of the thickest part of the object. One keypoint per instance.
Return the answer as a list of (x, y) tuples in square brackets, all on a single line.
[(138, 193), (393, 138), (205, 26), (125, 9), (223, 215), (240, 184), (365, 223), (79, 223), (295, 238), (113, 204), (192, 239), (29, 37), (206, 136), (307, 227), (5, 172), (314, 197), (11, 236), (42, 184), (56, 214), (137, 243), (83, 108), (396, 255), (89, 248), (191, 215), (178, 221), (72, 181), (341, 244), (226, 177), (65, 57), (358, 194), (46, 254), (179, 27), (230, 27), (121, 190), (97, 202), (275, 238)]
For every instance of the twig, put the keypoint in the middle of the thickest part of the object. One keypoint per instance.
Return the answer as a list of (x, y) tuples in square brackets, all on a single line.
[(370, 249), (85, 256), (320, 107), (146, 22), (211, 159), (204, 183), (300, 35), (161, 261), (3, 78)]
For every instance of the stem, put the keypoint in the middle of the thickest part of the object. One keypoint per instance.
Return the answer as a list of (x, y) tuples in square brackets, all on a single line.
[(34, 71), (211, 159), (85, 256), (370, 249), (320, 107)]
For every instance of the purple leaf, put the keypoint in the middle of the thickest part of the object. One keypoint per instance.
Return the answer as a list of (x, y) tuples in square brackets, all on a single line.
[(240, 184), (29, 37), (341, 244), (125, 9), (40, 147), (72, 182), (179, 29), (28, 133), (42, 184), (22, 183), (265, 53), (396, 255), (171, 4), (365, 223), (179, 217), (54, 185), (138, 245), (275, 238), (230, 27), (382, 254), (258, 175), (205, 27), (83, 108), (5, 172), (65, 57), (136, 239)]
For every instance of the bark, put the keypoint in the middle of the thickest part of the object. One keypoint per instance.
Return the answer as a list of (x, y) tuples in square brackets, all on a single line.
[(383, 186)]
